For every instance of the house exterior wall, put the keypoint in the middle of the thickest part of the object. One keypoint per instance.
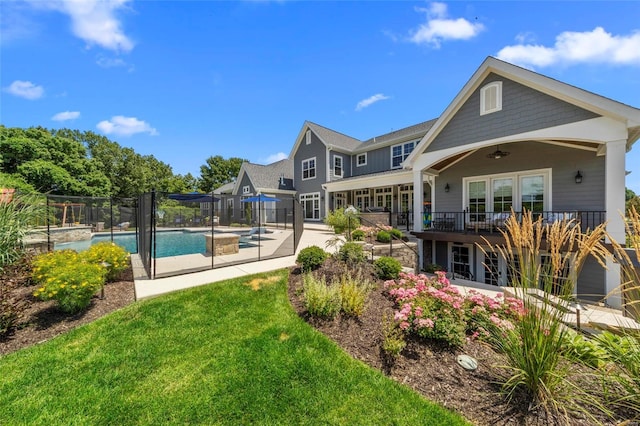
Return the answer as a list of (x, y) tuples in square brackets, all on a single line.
[(591, 281), (564, 162), (318, 150), (245, 181), (523, 109), (378, 160), (346, 165)]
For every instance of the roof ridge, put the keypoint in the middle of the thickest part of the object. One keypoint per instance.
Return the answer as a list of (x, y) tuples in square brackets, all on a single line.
[(334, 131)]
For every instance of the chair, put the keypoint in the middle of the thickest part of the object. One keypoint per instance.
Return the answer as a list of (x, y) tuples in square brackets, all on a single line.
[(123, 226)]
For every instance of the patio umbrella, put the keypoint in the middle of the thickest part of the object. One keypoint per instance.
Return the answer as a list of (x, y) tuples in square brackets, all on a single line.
[(194, 197)]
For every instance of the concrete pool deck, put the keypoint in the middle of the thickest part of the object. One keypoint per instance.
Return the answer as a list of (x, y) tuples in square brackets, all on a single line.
[(319, 234)]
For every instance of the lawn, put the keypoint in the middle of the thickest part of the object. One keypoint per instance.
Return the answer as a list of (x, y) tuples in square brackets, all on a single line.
[(228, 353)]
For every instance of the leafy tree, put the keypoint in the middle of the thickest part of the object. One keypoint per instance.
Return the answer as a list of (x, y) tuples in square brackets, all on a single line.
[(631, 200), (217, 171)]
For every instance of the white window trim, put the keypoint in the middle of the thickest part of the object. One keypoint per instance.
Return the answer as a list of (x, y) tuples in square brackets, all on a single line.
[(246, 189), (517, 177), (308, 137), (335, 158), (404, 154), (365, 159), (315, 168), (311, 196), (483, 93)]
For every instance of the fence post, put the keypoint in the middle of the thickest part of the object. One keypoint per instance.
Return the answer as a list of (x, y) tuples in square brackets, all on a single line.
[(48, 228)]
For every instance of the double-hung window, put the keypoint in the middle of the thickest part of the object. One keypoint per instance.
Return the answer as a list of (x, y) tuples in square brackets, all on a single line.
[(337, 166), (400, 152), (361, 159), (309, 168)]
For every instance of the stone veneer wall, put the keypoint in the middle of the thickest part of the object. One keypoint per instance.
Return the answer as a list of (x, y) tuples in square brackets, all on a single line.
[(370, 219), (63, 234), (404, 253), (224, 243)]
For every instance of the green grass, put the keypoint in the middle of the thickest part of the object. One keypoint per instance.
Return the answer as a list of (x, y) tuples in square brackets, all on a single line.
[(218, 354)]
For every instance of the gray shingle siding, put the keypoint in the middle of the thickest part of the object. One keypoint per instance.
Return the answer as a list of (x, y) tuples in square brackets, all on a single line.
[(246, 181), (564, 162), (318, 150), (523, 109), (378, 160)]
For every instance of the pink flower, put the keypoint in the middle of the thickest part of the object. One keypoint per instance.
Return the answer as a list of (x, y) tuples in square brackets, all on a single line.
[(404, 325)]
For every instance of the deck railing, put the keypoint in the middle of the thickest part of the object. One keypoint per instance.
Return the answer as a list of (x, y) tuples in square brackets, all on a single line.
[(490, 222)]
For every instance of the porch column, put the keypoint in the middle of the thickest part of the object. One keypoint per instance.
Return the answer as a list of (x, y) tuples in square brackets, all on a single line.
[(614, 199), (418, 183)]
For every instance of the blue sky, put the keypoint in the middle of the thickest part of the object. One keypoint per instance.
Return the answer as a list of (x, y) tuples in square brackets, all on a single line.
[(191, 79)]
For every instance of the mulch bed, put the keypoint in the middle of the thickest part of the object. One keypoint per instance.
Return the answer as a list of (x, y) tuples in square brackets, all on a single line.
[(426, 366), (429, 368), (41, 321)]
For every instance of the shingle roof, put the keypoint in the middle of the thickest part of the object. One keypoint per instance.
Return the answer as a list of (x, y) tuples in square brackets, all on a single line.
[(269, 176), (227, 188), (333, 138), (417, 130)]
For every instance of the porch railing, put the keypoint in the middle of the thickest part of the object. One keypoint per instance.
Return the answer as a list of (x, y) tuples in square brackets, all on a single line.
[(489, 222)]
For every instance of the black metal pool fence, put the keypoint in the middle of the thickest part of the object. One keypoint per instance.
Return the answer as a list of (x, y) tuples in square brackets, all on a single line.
[(73, 218), (236, 230)]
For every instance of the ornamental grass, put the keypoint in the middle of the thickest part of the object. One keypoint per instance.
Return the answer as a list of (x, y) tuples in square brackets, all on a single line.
[(534, 364)]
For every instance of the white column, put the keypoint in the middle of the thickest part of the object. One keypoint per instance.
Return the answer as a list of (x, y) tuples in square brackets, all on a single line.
[(614, 199), (418, 186)]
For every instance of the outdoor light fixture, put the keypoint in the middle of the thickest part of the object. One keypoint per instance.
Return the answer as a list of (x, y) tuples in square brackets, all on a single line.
[(497, 154), (446, 188), (578, 177)]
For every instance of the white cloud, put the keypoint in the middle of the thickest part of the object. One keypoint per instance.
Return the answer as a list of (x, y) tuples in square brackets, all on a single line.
[(597, 46), (439, 27), (273, 158), (66, 115), (370, 101), (125, 126), (94, 21), (25, 89)]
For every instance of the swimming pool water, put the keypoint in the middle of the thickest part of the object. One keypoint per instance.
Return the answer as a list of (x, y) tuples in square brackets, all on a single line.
[(168, 243)]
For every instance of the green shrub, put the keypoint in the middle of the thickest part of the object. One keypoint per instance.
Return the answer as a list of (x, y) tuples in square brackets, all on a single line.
[(10, 312), (358, 235), (351, 253), (68, 279), (16, 217), (311, 258), (383, 236), (387, 268), (353, 292), (109, 255), (320, 299), (339, 220), (433, 267), (392, 337), (578, 348), (396, 233)]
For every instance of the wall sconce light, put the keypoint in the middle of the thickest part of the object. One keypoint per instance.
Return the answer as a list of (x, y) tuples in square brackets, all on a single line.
[(578, 177), (446, 188)]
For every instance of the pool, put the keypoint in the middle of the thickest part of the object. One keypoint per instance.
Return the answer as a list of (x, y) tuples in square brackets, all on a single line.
[(168, 243)]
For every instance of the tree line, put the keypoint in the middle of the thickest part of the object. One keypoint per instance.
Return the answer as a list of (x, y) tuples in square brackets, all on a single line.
[(84, 163)]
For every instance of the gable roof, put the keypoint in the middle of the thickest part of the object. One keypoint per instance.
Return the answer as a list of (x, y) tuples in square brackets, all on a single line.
[(227, 188), (574, 95), (267, 177), (414, 131), (330, 138)]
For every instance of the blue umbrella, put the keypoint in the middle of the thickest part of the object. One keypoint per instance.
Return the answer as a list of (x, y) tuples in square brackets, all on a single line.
[(194, 197), (258, 198)]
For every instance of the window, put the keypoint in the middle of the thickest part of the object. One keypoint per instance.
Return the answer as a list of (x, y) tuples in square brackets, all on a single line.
[(311, 205), (309, 169), (362, 199), (308, 137), (383, 197), (339, 200), (361, 160), (477, 201), (400, 152), (230, 207), (246, 189), (337, 166), (491, 98), (519, 191)]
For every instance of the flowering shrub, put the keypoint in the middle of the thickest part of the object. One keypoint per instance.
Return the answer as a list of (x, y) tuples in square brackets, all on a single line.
[(109, 255), (65, 277), (431, 307)]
